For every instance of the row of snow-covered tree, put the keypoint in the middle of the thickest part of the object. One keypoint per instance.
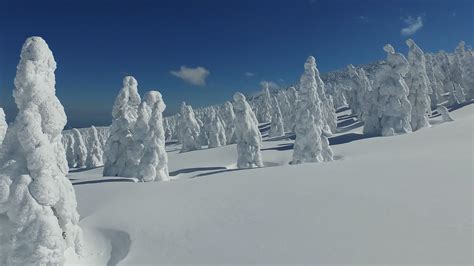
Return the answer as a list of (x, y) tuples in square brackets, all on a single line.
[(391, 97), (38, 213)]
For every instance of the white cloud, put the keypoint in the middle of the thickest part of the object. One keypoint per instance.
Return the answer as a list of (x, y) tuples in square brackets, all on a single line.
[(412, 25), (271, 84), (195, 76), (249, 74)]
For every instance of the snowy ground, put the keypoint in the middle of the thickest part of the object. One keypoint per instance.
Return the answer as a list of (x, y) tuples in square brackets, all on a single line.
[(402, 199)]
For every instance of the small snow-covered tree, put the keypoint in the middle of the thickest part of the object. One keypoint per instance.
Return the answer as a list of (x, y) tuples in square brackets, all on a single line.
[(393, 91), (444, 112), (118, 161), (80, 149), (248, 137), (3, 125), (38, 214), (276, 129), (189, 130), (154, 163), (94, 155), (216, 130), (228, 116), (309, 119), (419, 87), (286, 110)]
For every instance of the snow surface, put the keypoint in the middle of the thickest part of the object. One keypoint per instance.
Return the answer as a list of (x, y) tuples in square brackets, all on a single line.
[(400, 199)]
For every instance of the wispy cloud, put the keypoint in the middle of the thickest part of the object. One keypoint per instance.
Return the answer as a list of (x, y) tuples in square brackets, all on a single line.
[(271, 84), (412, 25), (363, 19), (195, 76), (249, 74)]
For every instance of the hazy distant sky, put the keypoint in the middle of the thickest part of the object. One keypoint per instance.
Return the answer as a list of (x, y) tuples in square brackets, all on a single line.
[(203, 51)]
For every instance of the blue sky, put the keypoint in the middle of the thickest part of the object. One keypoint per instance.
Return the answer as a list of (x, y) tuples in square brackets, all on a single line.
[(203, 51)]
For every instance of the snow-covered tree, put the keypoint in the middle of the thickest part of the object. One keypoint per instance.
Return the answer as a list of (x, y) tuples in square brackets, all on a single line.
[(248, 137), (419, 87), (95, 153), (436, 88), (292, 96), (70, 152), (228, 116), (288, 114), (276, 129), (264, 107), (118, 161), (393, 92), (308, 146), (216, 130), (3, 125), (154, 163), (465, 60), (327, 108), (189, 130), (444, 112), (38, 216), (80, 149)]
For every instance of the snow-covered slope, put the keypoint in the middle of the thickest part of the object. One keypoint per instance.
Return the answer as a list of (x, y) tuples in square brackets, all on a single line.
[(402, 199)]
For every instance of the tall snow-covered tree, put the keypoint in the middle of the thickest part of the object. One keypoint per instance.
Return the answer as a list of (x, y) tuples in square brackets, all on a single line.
[(216, 130), (118, 161), (189, 130), (3, 126), (248, 137), (228, 116), (393, 92), (327, 108), (70, 152), (38, 214), (419, 87), (288, 114), (276, 127), (80, 149), (309, 120), (264, 106), (436, 95), (95, 153), (154, 163), (465, 60)]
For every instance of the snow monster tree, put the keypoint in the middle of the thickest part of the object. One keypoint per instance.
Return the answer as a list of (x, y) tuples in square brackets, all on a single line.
[(248, 137), (38, 217)]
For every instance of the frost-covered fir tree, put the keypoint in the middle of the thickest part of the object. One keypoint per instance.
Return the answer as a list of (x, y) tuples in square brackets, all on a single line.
[(95, 153), (80, 149), (228, 116), (292, 95), (117, 159), (70, 153), (444, 112), (277, 128), (465, 60), (308, 145), (189, 130), (419, 87), (390, 84), (327, 108), (216, 130), (288, 114), (38, 214), (154, 163), (248, 137), (264, 107), (3, 125), (436, 96)]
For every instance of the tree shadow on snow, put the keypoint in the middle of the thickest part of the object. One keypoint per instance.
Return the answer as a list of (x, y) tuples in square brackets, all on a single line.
[(117, 180), (341, 139), (78, 170), (195, 169)]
